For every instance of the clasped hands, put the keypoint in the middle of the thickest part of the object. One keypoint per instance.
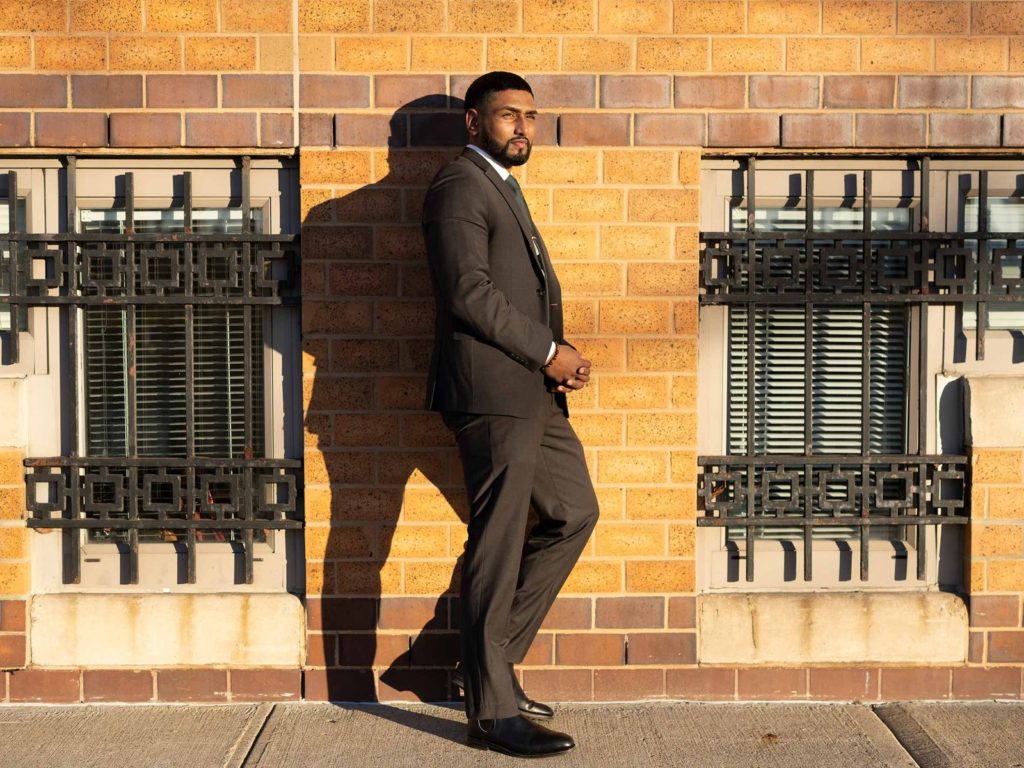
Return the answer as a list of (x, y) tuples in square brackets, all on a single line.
[(568, 370)]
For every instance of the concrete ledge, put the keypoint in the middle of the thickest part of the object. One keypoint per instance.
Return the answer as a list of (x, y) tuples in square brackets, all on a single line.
[(89, 630), (990, 402), (823, 628)]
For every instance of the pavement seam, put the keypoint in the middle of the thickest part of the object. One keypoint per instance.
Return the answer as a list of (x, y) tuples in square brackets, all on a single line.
[(243, 746), (921, 747)]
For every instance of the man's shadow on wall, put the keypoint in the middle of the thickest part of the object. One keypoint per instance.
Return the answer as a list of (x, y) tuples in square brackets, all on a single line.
[(368, 324)]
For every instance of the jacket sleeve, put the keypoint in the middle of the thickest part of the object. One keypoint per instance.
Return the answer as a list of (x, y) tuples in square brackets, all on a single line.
[(457, 240)]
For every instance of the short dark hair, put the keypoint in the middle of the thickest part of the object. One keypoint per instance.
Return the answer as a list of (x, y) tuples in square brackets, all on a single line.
[(492, 82)]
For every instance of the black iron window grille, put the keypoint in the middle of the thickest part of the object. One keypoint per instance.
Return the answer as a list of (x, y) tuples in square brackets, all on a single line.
[(846, 451), (165, 309)]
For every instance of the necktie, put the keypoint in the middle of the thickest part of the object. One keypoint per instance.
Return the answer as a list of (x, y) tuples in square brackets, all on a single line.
[(518, 192)]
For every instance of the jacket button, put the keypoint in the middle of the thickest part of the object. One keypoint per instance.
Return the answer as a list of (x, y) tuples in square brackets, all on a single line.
[(541, 292)]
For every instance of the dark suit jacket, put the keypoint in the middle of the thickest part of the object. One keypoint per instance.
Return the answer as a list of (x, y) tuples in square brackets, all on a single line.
[(499, 305)]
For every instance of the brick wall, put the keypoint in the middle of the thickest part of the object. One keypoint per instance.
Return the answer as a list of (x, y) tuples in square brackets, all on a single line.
[(630, 90), (14, 561)]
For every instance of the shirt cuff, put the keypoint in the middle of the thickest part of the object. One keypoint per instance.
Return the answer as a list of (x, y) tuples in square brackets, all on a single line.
[(551, 353)]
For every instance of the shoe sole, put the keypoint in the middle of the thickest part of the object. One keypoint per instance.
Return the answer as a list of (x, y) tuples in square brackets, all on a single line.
[(488, 746)]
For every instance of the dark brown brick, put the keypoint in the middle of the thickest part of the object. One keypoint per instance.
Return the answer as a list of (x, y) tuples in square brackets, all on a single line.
[(705, 684), (662, 648), (918, 91), (833, 129), (14, 132), (630, 612), (986, 683), (413, 685), (576, 130), (371, 130), (569, 613), (911, 684), (995, 611), (192, 685), (546, 130), (682, 612), (647, 91), (181, 91), (976, 647), (437, 649), (1013, 130), (743, 130), (12, 651), (338, 685), (890, 130), (220, 130), (256, 91), (136, 129), (414, 167), (45, 686), (106, 91), (628, 684), (590, 649), (844, 684), (771, 683), (710, 92), (316, 130), (412, 613), (276, 130), (409, 91), (321, 650), (372, 650), (964, 130), (71, 129), (559, 684), (794, 92), (859, 92), (551, 91), (1005, 647), (117, 685), (437, 129), (12, 615), (266, 684), (997, 92), (33, 91)]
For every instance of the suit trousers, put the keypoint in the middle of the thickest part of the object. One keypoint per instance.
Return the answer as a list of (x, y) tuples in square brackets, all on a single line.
[(510, 576)]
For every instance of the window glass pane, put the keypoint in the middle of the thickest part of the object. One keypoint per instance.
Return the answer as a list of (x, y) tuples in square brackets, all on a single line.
[(826, 219), (1005, 216), (6, 312)]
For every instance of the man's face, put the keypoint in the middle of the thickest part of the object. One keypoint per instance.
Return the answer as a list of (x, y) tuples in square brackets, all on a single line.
[(504, 125)]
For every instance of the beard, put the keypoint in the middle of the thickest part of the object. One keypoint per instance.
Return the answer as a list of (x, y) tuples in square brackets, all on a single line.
[(505, 154)]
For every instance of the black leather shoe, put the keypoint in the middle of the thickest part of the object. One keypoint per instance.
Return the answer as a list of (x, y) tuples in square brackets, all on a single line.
[(527, 706), (518, 737)]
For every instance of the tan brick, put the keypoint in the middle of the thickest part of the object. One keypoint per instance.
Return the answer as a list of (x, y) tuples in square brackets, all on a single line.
[(656, 429), (334, 16), (596, 429), (682, 540), (12, 502), (267, 16), (447, 53), (672, 54), (181, 15), (784, 17), (335, 167), (558, 16), (995, 18), (896, 54), (146, 53), (893, 130), (71, 129), (632, 243), (988, 540), (746, 54), (673, 354), (520, 54), (563, 167), (594, 576), (590, 279), (971, 54), (570, 243), (846, 17), (632, 467), (710, 16), (934, 18), (14, 578), (977, 576), (992, 465), (371, 54), (145, 130), (15, 52), (1016, 54), (629, 539), (66, 54), (686, 317), (1006, 576), (659, 576), (13, 543), (102, 16), (743, 129), (37, 16), (481, 16), (830, 130), (635, 317), (1005, 503), (597, 54), (646, 91), (220, 53), (220, 130), (661, 280), (822, 54), (275, 53), (635, 16), (629, 392), (964, 130), (588, 205), (316, 53), (663, 205), (419, 541), (580, 317)]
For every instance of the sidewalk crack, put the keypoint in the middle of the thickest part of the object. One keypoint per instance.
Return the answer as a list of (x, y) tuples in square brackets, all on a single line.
[(240, 751), (921, 747)]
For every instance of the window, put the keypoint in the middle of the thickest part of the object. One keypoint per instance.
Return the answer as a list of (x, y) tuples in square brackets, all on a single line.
[(823, 282), (178, 426)]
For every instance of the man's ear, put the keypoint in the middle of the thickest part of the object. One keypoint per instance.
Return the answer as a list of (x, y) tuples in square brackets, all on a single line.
[(472, 122)]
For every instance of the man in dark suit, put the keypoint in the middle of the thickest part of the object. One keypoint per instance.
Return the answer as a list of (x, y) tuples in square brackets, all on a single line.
[(499, 375)]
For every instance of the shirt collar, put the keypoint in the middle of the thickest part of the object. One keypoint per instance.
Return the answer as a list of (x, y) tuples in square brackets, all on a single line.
[(503, 172)]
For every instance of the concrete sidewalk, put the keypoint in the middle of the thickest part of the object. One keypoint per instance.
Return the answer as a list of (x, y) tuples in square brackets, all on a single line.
[(958, 735)]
